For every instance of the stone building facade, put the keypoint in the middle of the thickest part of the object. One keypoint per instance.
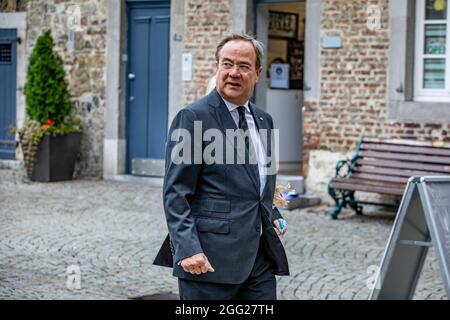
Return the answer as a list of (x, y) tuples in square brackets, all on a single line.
[(362, 87)]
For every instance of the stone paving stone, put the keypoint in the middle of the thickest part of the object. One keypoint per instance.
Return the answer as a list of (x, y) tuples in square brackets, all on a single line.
[(112, 231)]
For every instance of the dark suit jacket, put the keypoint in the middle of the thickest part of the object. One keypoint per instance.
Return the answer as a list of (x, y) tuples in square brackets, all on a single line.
[(217, 208)]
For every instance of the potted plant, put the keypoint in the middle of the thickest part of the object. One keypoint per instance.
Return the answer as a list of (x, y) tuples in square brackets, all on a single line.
[(51, 135)]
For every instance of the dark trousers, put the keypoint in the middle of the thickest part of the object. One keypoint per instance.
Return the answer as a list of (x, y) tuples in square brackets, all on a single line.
[(260, 285)]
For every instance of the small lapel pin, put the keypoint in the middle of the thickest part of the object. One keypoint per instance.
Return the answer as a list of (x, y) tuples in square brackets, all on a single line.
[(260, 118)]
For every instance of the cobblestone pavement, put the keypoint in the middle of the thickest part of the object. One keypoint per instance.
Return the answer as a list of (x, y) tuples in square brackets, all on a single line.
[(112, 231)]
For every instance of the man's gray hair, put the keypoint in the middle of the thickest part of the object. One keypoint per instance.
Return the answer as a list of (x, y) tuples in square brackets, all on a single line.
[(257, 45)]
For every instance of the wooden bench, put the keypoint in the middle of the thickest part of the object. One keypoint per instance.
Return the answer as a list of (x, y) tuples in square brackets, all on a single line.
[(384, 167)]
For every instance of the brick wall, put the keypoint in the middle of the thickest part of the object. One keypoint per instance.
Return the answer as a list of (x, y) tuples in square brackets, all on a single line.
[(353, 100), (206, 22), (84, 62)]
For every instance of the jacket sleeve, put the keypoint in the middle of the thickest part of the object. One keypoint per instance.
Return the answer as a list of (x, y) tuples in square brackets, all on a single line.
[(276, 214), (180, 182)]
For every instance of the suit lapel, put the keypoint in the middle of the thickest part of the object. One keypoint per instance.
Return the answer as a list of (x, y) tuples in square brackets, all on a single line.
[(225, 121), (220, 112)]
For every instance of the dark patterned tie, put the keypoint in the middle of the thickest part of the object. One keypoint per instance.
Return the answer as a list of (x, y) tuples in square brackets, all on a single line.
[(243, 125)]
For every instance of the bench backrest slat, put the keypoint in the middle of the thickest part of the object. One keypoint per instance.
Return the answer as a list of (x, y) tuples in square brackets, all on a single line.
[(444, 169), (391, 172), (420, 150), (405, 157)]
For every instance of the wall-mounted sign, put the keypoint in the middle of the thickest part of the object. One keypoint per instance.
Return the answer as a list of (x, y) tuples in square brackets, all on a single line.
[(332, 42), (187, 67), (283, 24), (279, 76)]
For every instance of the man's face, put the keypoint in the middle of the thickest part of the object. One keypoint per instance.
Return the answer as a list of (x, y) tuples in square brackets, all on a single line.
[(236, 71)]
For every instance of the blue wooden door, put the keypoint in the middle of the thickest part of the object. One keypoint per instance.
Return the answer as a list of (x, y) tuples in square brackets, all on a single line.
[(147, 76), (8, 83)]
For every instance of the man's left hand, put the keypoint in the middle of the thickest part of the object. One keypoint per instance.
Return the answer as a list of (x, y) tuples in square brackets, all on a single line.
[(281, 226)]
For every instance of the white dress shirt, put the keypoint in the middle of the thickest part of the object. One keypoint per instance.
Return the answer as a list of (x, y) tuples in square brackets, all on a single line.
[(256, 140)]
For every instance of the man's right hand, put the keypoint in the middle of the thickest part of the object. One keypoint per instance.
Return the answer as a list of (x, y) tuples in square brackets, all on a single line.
[(197, 264)]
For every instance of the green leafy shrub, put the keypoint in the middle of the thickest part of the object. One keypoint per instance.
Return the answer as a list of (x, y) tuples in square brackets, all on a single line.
[(46, 90)]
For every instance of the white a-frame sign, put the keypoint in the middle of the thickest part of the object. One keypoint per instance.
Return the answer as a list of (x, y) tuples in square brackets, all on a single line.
[(423, 221)]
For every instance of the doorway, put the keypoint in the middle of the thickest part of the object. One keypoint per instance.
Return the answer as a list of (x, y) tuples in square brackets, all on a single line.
[(8, 89), (280, 26), (147, 86)]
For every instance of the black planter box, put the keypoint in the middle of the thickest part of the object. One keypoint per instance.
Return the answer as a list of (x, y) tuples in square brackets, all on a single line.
[(56, 156)]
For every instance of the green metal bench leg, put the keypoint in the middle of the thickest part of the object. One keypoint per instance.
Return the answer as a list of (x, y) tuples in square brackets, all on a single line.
[(338, 200), (336, 210), (357, 208)]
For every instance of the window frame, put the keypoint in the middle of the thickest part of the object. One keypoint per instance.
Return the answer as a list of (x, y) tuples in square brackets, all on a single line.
[(420, 93)]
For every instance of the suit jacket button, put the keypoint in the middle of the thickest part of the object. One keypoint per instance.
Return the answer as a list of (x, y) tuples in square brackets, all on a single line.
[(258, 228)]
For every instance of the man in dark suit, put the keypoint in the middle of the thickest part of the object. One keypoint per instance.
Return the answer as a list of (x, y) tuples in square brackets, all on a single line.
[(219, 213)]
